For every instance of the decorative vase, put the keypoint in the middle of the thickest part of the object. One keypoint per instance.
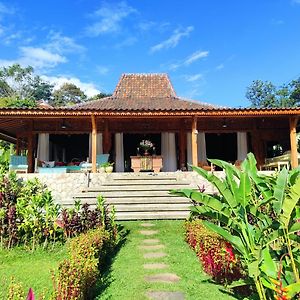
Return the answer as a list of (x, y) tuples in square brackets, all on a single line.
[(146, 153), (109, 169)]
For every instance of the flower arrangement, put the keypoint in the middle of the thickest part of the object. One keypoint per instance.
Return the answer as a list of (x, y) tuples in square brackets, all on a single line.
[(146, 144)]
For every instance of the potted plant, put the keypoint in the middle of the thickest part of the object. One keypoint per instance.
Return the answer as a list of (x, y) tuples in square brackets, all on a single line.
[(108, 167), (146, 145), (101, 168)]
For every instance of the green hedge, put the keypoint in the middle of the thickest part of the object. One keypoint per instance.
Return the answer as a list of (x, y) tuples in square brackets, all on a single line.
[(77, 274)]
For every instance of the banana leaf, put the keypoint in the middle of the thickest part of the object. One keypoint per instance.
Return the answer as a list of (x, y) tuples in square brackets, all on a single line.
[(280, 189), (219, 184), (289, 203), (235, 241)]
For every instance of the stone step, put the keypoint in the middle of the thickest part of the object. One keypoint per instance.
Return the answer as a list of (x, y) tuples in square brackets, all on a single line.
[(158, 215), (142, 176), (125, 194), (133, 200), (145, 182), (162, 187), (152, 207)]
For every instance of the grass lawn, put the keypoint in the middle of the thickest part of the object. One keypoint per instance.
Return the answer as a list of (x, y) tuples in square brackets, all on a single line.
[(125, 279), (31, 269)]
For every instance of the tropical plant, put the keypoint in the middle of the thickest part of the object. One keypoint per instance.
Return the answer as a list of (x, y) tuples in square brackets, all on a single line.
[(258, 215), (215, 253)]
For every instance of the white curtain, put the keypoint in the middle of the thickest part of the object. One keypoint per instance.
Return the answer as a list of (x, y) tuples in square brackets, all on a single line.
[(201, 147), (189, 149), (119, 152), (99, 145), (43, 147), (168, 152), (242, 145)]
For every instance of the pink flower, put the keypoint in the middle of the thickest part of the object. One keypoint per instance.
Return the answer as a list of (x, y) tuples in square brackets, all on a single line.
[(30, 295)]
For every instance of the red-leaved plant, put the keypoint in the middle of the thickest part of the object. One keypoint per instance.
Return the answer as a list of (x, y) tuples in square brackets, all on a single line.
[(216, 254)]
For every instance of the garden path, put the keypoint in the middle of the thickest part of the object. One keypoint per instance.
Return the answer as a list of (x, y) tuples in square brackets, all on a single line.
[(174, 273)]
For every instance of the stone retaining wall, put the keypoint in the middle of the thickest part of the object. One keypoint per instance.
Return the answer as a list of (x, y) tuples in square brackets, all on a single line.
[(65, 186)]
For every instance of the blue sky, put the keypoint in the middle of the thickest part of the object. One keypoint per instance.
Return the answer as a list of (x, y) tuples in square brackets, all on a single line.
[(212, 50)]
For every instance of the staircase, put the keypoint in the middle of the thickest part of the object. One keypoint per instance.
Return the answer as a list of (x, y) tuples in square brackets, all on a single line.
[(141, 196)]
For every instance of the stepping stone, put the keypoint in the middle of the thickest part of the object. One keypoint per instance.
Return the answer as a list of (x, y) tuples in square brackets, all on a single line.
[(165, 295), (154, 255), (163, 277), (151, 241), (152, 247), (148, 232), (147, 224), (155, 266)]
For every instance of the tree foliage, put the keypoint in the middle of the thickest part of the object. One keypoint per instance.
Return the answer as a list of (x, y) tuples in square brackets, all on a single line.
[(68, 94), (265, 94), (19, 87)]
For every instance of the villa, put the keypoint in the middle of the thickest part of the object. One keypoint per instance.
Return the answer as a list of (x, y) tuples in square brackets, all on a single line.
[(146, 107)]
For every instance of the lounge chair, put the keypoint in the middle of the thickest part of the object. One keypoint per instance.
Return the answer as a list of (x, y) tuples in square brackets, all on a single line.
[(18, 163), (100, 159)]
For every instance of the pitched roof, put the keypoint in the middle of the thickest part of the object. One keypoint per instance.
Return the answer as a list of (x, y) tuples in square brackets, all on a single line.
[(145, 92)]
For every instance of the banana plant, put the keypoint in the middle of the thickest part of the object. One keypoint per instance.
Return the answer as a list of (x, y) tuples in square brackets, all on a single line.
[(254, 211)]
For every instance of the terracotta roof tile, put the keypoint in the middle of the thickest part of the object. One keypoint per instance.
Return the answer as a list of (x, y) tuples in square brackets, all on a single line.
[(145, 92), (144, 104), (144, 85)]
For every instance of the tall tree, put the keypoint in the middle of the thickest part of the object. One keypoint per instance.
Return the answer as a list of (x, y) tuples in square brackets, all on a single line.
[(68, 94), (99, 96), (261, 94), (266, 94), (20, 87)]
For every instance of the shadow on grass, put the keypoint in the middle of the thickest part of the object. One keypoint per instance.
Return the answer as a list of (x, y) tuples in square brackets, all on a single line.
[(105, 279), (240, 293)]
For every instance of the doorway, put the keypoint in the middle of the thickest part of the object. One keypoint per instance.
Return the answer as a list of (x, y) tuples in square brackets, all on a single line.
[(221, 146), (131, 144)]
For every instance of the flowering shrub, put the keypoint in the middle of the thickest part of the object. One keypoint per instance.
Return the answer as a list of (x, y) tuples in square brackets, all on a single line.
[(77, 274), (216, 254), (28, 213), (146, 144)]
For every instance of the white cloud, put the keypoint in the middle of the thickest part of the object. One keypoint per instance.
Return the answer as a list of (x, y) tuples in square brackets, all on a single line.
[(40, 58), (195, 56), (127, 42), (109, 18), (102, 70), (63, 44), (192, 78), (6, 10), (12, 37), (36, 57), (188, 60), (173, 40), (220, 67), (88, 88)]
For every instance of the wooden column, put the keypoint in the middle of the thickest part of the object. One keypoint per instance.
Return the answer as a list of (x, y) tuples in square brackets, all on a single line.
[(30, 158), (94, 145), (257, 147), (293, 140), (194, 142), (182, 148), (106, 138), (18, 146)]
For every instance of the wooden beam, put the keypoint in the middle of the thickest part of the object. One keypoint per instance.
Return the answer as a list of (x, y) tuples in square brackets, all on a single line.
[(293, 141), (94, 144), (194, 142)]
